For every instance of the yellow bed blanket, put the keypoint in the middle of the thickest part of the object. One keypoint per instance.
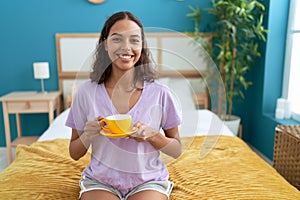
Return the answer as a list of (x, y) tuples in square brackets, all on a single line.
[(221, 167)]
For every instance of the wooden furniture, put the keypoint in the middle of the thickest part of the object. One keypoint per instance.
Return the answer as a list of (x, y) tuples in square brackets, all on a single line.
[(200, 100), (27, 102), (286, 157)]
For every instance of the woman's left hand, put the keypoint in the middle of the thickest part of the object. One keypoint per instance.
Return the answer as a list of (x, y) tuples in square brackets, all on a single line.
[(144, 132), (169, 143)]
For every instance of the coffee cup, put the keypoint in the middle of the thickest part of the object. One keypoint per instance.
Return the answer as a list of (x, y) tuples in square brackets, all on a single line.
[(118, 124)]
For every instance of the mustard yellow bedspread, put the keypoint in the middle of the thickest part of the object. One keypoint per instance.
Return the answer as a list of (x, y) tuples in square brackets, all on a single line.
[(211, 168), (225, 167)]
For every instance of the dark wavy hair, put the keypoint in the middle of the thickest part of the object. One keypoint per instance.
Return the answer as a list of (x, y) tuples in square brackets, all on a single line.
[(144, 68)]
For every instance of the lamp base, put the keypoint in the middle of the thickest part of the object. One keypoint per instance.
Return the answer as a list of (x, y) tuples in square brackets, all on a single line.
[(42, 86)]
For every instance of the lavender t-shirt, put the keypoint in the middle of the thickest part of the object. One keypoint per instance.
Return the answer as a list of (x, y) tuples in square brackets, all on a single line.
[(124, 163)]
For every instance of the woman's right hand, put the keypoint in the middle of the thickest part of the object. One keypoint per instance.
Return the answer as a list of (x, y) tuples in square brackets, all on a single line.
[(81, 140), (91, 130)]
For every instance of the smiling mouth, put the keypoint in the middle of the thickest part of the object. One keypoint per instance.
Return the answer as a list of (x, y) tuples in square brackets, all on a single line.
[(125, 57)]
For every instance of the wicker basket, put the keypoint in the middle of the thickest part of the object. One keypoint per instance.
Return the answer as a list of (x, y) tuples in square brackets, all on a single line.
[(287, 153)]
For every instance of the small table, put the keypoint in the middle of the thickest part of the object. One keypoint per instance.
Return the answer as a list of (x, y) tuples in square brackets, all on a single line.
[(27, 102)]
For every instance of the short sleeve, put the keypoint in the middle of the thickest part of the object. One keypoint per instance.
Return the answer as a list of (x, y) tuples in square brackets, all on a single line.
[(172, 116)]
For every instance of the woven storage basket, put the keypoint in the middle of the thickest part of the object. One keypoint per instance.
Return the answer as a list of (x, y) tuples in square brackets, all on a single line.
[(287, 153)]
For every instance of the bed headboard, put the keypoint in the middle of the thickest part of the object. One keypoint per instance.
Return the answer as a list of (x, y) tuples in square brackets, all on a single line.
[(175, 54)]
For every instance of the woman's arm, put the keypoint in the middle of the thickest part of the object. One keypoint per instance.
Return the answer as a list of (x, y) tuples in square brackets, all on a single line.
[(169, 144), (81, 140), (78, 145)]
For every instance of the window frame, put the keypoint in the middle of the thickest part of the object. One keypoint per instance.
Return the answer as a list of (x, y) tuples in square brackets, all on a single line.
[(288, 53)]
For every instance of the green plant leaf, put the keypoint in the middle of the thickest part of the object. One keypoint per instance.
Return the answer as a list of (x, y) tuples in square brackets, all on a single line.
[(238, 28)]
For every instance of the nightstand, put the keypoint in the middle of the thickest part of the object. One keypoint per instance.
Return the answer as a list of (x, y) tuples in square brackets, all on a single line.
[(27, 102)]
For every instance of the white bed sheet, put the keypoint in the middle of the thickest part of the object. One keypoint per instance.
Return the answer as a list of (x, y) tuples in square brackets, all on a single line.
[(194, 122), (202, 122), (57, 128)]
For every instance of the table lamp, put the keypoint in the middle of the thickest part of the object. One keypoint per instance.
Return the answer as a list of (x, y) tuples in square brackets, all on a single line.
[(41, 71)]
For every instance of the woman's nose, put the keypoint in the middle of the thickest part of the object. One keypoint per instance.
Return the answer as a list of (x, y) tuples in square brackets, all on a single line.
[(126, 46)]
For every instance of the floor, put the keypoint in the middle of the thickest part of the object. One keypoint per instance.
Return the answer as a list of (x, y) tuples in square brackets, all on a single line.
[(3, 158), (261, 155)]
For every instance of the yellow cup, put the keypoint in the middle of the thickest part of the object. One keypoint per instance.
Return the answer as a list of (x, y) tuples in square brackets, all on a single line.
[(117, 124)]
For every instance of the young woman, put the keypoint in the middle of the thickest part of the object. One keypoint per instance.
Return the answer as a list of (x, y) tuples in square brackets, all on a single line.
[(123, 81)]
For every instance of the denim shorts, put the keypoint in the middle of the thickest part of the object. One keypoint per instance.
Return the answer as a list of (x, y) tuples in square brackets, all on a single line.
[(88, 184)]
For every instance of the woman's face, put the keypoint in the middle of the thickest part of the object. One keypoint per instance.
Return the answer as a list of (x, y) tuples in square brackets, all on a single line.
[(124, 44)]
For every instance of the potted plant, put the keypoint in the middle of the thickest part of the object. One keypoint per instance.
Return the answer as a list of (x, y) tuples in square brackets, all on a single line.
[(237, 30)]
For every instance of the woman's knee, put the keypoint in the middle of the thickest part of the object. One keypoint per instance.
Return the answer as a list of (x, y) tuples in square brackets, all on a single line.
[(98, 195), (148, 195)]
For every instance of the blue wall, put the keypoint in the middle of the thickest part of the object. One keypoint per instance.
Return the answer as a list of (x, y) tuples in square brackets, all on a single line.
[(28, 35), (258, 109)]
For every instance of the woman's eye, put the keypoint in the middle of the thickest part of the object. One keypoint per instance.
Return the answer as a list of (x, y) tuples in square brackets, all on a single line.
[(116, 39), (135, 40)]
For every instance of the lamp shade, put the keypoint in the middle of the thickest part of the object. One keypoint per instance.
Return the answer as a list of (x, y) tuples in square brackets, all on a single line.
[(41, 70)]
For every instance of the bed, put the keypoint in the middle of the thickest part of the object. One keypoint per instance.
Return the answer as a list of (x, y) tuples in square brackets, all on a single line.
[(215, 164)]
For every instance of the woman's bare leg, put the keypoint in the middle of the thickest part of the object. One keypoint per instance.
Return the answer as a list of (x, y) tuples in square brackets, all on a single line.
[(98, 195), (148, 195)]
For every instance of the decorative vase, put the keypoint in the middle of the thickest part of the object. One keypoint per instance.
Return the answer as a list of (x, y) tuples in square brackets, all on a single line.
[(233, 124)]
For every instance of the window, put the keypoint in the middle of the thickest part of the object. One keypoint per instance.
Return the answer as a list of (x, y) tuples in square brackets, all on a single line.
[(291, 80)]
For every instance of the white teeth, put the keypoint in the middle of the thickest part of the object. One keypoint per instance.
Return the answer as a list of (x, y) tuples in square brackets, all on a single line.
[(125, 56)]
